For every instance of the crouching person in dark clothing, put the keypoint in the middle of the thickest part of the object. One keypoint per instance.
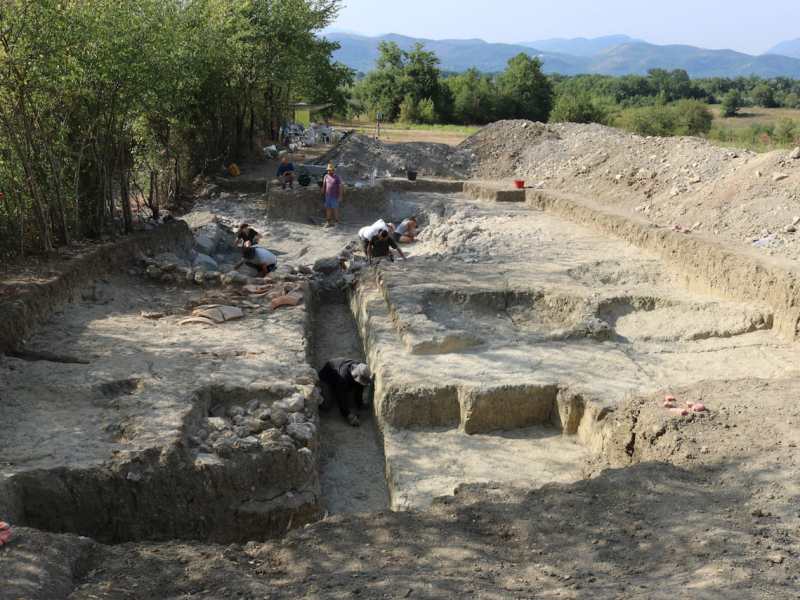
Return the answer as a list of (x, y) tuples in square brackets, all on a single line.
[(343, 381)]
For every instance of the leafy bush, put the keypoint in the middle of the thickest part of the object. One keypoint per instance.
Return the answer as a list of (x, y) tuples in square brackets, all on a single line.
[(426, 111), (685, 117), (408, 110), (787, 131), (579, 109), (732, 103), (691, 118)]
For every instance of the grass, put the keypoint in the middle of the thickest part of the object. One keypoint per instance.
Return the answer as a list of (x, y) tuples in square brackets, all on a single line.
[(758, 129), (410, 132), (753, 115), (459, 129)]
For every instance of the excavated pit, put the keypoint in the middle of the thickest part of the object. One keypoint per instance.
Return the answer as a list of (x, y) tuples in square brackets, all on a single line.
[(213, 485), (499, 358), (352, 463), (163, 431)]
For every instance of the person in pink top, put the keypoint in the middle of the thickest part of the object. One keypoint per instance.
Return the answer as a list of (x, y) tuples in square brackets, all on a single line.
[(332, 193)]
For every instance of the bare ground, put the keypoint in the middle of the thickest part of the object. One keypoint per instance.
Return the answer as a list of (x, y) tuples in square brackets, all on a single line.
[(700, 506)]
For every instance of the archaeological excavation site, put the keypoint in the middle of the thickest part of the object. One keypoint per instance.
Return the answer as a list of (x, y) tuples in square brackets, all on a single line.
[(584, 386)]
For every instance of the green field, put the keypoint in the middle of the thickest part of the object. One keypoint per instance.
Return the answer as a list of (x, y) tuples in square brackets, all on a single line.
[(408, 132), (756, 128)]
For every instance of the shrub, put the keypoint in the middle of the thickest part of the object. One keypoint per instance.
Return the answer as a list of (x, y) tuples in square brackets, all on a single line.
[(578, 109), (691, 118), (426, 111), (685, 117), (648, 120), (731, 103), (409, 110), (787, 131)]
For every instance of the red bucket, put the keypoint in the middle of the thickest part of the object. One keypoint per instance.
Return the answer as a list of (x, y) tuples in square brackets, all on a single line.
[(519, 184)]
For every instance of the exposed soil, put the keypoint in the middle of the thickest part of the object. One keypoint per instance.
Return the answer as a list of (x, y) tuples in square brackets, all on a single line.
[(357, 156), (351, 458), (518, 430), (707, 514), (735, 195)]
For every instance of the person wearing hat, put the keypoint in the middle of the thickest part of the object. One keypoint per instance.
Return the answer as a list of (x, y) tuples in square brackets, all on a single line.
[(343, 381), (332, 193)]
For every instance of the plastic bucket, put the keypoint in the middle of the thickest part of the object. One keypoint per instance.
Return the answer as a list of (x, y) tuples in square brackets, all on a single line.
[(519, 184), (412, 175)]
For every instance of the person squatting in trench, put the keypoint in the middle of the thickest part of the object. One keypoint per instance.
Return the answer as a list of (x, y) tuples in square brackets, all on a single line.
[(343, 381)]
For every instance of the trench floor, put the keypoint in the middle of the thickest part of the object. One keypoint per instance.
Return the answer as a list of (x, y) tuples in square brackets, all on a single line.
[(351, 458)]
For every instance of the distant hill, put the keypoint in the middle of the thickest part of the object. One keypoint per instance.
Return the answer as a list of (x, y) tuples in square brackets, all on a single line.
[(359, 52), (638, 58), (580, 46), (790, 48)]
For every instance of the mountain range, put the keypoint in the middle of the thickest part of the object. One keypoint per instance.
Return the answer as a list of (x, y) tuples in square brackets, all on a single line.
[(581, 46), (790, 48), (610, 55)]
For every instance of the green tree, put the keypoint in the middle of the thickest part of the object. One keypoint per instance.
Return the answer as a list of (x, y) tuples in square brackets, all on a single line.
[(104, 104), (732, 103), (474, 97), (401, 81), (524, 91), (764, 95)]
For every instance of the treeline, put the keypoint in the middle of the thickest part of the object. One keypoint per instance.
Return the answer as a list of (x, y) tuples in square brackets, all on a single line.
[(409, 86), (104, 103)]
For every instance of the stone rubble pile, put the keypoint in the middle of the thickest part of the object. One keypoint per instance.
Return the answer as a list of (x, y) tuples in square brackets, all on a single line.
[(290, 422)]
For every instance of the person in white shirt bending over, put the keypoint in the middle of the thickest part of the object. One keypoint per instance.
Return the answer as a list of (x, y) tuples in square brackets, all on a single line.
[(259, 258)]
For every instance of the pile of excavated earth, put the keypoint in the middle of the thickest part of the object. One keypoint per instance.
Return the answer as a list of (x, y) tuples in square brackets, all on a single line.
[(360, 156), (573, 396)]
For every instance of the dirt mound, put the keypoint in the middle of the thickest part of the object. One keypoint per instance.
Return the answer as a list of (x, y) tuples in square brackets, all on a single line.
[(358, 156), (500, 149), (733, 194)]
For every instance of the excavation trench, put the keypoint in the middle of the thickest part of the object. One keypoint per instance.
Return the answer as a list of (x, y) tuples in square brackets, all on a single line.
[(211, 485), (352, 465), (485, 372)]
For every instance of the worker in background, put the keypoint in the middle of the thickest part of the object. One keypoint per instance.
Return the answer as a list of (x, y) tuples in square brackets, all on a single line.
[(406, 231), (286, 173), (332, 194)]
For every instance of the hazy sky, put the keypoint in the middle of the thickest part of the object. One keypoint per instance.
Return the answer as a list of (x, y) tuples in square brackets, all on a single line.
[(751, 27)]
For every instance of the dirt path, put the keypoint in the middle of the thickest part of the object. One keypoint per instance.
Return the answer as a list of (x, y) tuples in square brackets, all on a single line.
[(351, 460)]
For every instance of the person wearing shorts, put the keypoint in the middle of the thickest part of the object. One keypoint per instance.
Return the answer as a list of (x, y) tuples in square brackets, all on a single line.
[(332, 193)]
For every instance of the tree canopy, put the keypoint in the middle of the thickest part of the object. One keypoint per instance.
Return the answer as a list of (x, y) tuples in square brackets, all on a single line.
[(102, 101)]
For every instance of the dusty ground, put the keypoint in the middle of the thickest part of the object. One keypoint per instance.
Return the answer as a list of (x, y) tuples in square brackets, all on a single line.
[(707, 509), (734, 195), (500, 315)]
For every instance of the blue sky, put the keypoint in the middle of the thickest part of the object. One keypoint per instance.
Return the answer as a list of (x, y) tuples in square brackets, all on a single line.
[(751, 27)]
